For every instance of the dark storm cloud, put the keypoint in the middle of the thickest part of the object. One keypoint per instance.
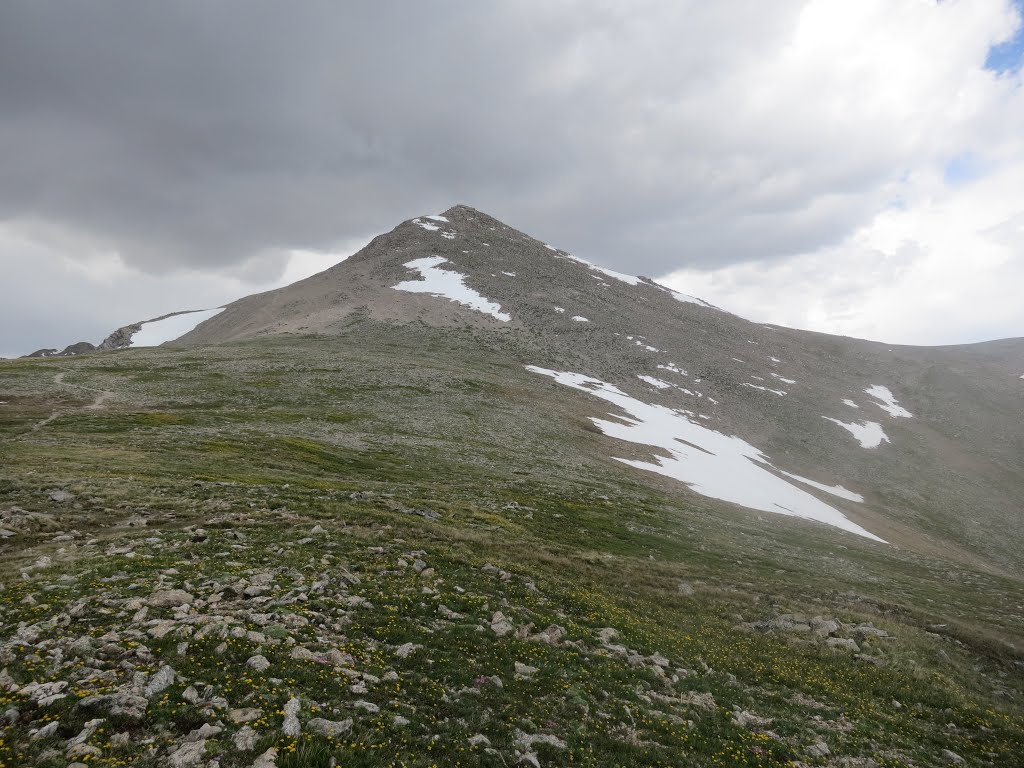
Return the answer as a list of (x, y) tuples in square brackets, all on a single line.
[(199, 133)]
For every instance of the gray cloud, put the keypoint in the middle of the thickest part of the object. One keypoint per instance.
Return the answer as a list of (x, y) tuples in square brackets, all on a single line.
[(214, 136), (199, 133)]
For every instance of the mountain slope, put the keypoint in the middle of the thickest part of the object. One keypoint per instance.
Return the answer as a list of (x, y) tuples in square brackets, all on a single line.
[(403, 539), (948, 477)]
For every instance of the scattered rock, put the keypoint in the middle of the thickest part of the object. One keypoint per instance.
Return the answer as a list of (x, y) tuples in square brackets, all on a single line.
[(700, 700), (45, 732), (45, 694), (245, 715), (258, 662), (843, 642), (160, 681), (267, 760), (524, 671), (818, 749), (501, 625), (745, 719), (291, 726), (245, 739), (405, 649), (330, 727), (170, 598), (479, 740), (188, 754)]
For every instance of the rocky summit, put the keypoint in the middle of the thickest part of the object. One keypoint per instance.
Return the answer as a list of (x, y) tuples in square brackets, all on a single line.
[(468, 499)]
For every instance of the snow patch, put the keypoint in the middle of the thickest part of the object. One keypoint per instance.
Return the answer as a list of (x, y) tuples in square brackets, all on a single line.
[(560, 310), (783, 379), (438, 217), (655, 382), (448, 284), (157, 332), (835, 490), (628, 279), (710, 463), (426, 225), (580, 319), (868, 433), (674, 368), (887, 402), (687, 298), (850, 403), (778, 392), (510, 274)]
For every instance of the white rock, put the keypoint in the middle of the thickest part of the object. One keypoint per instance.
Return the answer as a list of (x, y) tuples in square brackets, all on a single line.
[(330, 727), (267, 760), (291, 726), (187, 755)]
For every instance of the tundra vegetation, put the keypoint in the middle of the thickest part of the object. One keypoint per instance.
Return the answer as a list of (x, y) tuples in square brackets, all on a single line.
[(396, 547)]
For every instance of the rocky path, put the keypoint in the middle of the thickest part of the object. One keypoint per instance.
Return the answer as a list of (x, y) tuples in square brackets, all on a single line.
[(101, 397)]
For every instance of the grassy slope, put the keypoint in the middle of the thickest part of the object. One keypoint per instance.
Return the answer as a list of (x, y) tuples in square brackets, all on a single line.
[(258, 443)]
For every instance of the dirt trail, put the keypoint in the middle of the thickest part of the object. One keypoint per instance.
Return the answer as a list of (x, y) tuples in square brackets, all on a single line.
[(102, 396)]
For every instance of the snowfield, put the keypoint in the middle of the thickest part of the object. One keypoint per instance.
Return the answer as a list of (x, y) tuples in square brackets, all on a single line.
[(157, 332), (887, 402), (709, 462), (448, 284), (868, 433)]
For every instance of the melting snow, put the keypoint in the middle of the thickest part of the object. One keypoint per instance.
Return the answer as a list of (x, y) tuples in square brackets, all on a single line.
[(775, 359), (560, 310), (672, 367), (685, 297), (850, 403), (887, 402), (778, 392), (448, 284), (157, 332), (448, 235), (426, 225), (580, 319), (510, 274), (655, 382), (835, 490), (710, 463), (868, 433), (437, 218), (629, 279), (784, 379)]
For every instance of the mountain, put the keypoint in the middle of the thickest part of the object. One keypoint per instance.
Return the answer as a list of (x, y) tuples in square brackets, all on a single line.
[(465, 498), (930, 438)]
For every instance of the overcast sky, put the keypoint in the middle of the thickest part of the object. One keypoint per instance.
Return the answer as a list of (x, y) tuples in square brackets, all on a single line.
[(850, 167)]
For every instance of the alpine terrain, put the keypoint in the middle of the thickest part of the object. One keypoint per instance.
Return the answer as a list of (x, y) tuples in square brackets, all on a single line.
[(467, 499)]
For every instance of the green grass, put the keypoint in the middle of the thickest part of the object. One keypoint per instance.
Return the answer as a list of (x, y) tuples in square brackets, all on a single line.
[(257, 443)]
